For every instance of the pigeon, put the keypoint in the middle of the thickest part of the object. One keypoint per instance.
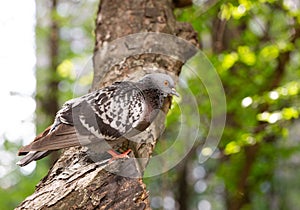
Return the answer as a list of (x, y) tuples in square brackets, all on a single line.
[(107, 115)]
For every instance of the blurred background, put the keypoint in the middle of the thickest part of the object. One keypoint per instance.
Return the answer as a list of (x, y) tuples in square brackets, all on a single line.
[(254, 46)]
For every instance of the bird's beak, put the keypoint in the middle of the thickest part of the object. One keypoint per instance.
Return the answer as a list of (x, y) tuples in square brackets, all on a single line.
[(174, 92)]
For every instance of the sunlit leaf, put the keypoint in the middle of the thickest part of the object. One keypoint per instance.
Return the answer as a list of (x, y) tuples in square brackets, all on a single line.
[(66, 69), (290, 113), (226, 11), (232, 148), (269, 52), (229, 60), (246, 55)]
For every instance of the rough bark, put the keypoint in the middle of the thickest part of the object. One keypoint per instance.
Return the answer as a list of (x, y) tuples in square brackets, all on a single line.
[(76, 182)]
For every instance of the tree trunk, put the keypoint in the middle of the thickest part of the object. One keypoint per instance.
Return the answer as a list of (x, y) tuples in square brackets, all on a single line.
[(76, 182)]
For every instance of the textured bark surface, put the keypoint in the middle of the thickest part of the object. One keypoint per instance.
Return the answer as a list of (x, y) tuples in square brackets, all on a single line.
[(76, 182)]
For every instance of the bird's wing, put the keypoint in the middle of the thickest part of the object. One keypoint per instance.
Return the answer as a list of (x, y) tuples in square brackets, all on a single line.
[(62, 137), (112, 112), (107, 114)]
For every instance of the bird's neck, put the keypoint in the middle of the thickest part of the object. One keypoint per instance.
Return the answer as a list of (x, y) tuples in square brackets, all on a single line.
[(154, 98), (153, 95)]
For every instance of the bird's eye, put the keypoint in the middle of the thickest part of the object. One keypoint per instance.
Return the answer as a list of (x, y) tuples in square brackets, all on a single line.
[(166, 83)]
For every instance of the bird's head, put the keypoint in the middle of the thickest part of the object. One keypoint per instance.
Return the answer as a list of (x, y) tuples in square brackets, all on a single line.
[(163, 82)]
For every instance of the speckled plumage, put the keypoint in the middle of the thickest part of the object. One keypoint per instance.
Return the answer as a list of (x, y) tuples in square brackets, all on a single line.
[(106, 114)]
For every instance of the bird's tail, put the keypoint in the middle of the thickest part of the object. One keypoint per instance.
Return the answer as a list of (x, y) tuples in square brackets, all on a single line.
[(63, 136), (31, 156)]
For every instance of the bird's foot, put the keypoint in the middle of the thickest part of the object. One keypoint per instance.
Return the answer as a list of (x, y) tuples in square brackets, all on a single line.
[(116, 156)]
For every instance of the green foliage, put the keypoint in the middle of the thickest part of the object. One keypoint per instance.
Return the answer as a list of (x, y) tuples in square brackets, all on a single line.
[(254, 45)]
